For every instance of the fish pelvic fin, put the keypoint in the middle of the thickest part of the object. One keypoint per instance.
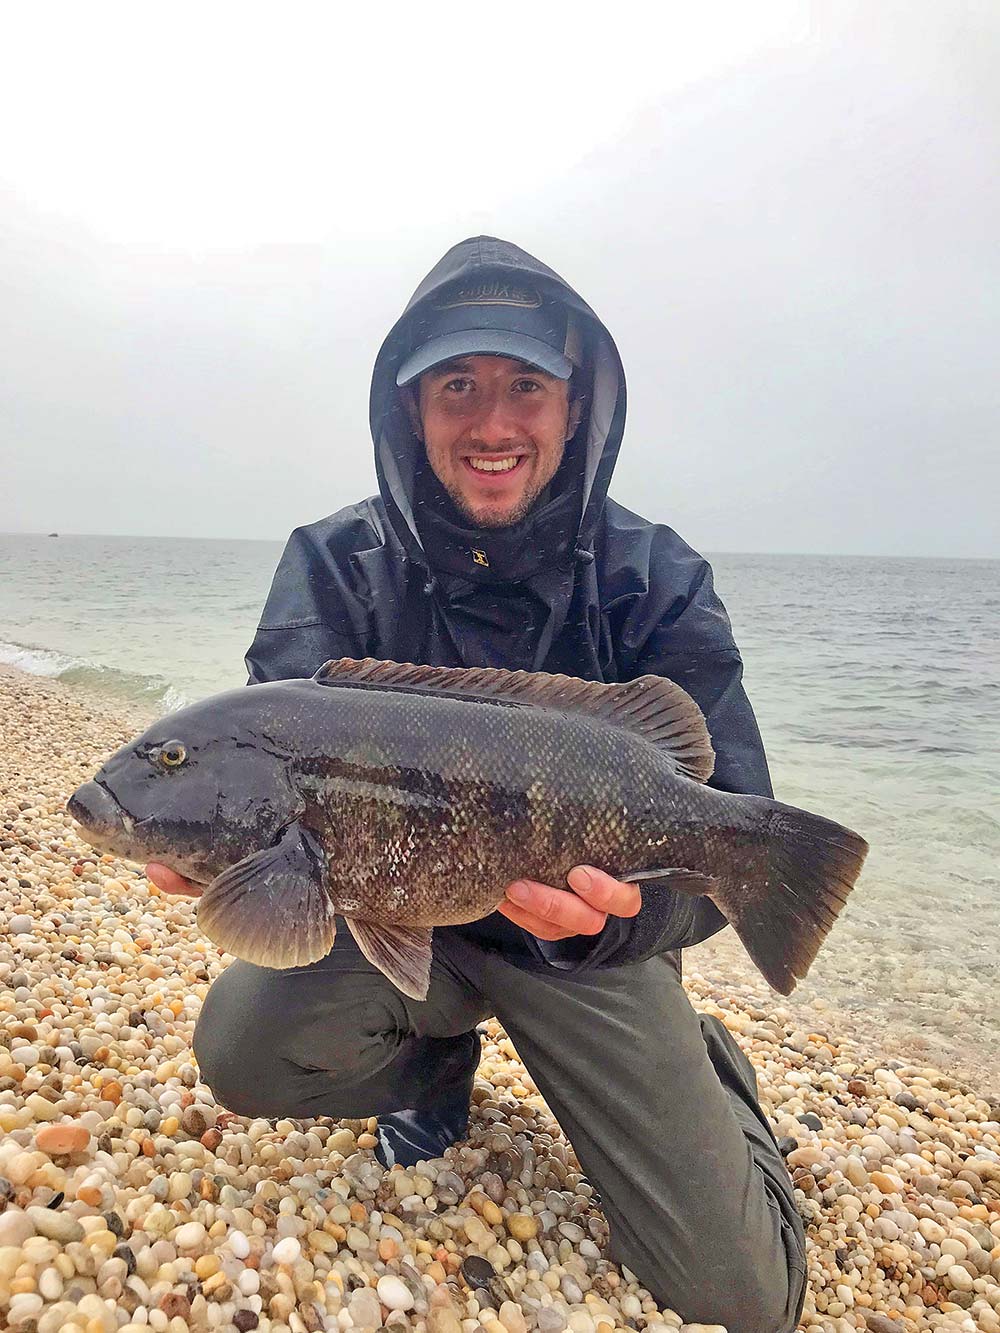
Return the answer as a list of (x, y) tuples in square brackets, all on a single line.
[(272, 908), (785, 906), (402, 953), (652, 707)]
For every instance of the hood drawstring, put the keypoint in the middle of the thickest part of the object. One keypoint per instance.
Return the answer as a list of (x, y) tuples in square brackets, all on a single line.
[(580, 556)]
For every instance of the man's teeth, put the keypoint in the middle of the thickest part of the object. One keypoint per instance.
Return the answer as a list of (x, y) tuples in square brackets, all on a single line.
[(493, 465)]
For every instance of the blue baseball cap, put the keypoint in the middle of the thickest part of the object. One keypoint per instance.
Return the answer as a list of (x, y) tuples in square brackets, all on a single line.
[(494, 316)]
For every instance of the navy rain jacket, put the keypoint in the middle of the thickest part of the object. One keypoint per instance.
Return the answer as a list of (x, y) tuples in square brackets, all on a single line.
[(582, 586)]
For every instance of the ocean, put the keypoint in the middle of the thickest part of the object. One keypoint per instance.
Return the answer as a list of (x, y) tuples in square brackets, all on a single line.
[(876, 683)]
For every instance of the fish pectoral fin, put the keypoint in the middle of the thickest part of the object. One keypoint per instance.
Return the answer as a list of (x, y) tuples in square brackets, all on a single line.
[(272, 908), (403, 953), (686, 881)]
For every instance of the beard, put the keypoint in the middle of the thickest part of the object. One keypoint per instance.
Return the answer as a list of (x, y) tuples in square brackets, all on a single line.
[(489, 518)]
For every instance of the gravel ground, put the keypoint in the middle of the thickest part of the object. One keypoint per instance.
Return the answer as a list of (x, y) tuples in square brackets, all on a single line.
[(131, 1200)]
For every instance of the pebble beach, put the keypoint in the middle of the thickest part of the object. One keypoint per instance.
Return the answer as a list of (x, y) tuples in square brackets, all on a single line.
[(131, 1200)]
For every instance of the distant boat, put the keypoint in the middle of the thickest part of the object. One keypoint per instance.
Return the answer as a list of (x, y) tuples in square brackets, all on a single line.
[(53, 534)]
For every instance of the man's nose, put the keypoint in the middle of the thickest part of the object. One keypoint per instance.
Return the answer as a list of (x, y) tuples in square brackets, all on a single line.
[(495, 424)]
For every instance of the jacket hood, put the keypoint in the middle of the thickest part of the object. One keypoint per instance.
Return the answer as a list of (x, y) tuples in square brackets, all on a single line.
[(562, 523)]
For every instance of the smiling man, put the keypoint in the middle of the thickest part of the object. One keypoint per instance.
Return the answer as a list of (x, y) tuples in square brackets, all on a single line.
[(494, 425), (495, 430), (497, 412)]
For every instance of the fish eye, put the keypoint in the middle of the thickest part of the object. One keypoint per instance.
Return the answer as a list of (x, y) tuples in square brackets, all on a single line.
[(173, 754)]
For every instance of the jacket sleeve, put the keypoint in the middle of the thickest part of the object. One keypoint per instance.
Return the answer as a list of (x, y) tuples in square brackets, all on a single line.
[(691, 644), (695, 649), (305, 620)]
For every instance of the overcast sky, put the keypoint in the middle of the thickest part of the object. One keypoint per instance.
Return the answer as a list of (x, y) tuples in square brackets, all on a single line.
[(786, 213)]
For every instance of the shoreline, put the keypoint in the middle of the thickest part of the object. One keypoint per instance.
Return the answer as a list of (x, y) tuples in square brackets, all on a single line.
[(896, 1162), (881, 1027), (849, 1001)]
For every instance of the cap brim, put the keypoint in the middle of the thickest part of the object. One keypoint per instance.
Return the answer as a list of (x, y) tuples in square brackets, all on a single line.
[(484, 342)]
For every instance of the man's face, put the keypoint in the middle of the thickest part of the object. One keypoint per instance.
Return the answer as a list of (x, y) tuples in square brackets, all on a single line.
[(494, 430)]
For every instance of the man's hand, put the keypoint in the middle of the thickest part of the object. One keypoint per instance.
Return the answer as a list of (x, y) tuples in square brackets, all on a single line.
[(554, 914), (170, 882), (551, 914)]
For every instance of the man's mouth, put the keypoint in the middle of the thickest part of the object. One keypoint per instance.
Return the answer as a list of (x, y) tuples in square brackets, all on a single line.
[(504, 463)]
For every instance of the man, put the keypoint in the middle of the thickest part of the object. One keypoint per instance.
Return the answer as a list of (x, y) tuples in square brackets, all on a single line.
[(497, 411)]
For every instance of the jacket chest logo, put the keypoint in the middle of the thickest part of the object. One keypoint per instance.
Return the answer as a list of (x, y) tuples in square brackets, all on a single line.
[(480, 558)]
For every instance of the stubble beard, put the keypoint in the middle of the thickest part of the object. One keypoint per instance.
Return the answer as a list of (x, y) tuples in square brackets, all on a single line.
[(491, 519)]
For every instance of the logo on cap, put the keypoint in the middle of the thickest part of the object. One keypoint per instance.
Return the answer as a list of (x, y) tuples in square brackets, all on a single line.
[(492, 292), (480, 558)]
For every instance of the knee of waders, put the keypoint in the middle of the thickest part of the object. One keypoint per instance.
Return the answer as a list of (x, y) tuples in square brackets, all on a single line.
[(770, 1302), (755, 1297), (263, 1039), (236, 1054)]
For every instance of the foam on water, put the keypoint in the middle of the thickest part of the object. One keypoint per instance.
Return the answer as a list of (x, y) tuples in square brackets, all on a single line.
[(158, 621), (36, 661), (132, 686)]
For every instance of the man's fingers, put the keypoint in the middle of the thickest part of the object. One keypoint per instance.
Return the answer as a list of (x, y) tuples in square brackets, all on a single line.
[(554, 914), (556, 907), (611, 896), (168, 881), (534, 925)]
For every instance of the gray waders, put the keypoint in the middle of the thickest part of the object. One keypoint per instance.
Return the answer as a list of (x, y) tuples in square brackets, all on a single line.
[(659, 1102)]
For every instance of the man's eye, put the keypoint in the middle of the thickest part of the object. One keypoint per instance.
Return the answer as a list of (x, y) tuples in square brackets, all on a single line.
[(527, 386), (458, 385)]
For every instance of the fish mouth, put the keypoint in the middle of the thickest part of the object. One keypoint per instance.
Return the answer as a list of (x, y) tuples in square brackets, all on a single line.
[(108, 827), (104, 822)]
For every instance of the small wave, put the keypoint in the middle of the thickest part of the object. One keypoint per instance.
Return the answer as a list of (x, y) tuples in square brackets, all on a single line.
[(150, 690), (36, 661)]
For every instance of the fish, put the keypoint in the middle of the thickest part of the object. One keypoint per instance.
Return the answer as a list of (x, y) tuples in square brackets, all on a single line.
[(403, 797)]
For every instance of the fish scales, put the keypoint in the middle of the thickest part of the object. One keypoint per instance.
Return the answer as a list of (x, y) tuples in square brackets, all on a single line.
[(463, 799), (402, 797)]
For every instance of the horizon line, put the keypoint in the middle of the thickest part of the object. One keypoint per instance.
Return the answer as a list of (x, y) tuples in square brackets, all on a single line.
[(186, 537)]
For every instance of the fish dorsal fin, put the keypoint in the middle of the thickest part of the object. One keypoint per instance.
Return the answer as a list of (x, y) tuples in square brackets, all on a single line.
[(650, 706)]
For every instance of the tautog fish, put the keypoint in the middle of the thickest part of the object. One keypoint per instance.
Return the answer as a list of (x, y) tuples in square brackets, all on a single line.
[(405, 797)]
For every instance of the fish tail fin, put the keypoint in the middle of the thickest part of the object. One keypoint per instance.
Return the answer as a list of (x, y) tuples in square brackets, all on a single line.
[(784, 911)]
